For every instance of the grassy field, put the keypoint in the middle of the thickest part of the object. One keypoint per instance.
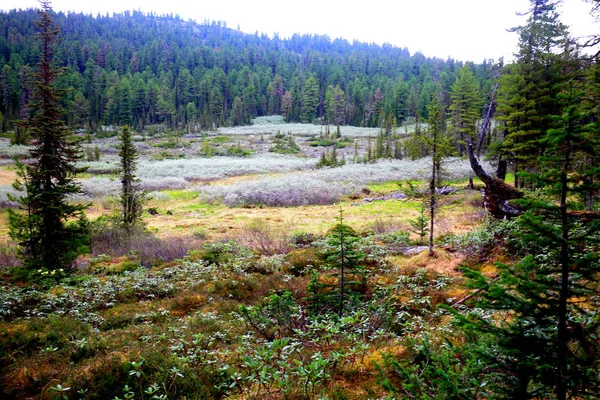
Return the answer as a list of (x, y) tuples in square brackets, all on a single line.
[(216, 298)]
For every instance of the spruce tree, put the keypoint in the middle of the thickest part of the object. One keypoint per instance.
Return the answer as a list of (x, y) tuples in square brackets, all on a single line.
[(438, 144), (347, 281), (310, 100), (51, 232), (544, 307), (464, 110), (132, 198), (528, 88)]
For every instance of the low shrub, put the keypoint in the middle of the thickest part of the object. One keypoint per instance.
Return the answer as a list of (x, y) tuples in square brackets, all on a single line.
[(8, 254), (265, 239), (478, 244), (393, 241), (304, 261), (294, 190), (141, 245), (227, 253)]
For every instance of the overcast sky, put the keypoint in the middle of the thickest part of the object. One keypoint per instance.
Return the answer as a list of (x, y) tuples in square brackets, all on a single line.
[(467, 30)]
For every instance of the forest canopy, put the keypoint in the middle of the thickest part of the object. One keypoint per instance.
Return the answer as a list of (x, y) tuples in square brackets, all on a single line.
[(144, 69)]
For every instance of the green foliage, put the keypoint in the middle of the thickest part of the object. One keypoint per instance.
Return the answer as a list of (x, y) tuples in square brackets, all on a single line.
[(347, 282), (19, 137), (420, 225), (129, 81), (93, 154), (51, 232), (132, 197), (224, 254), (285, 144), (238, 151), (464, 110), (274, 318), (310, 100), (538, 323), (529, 87), (431, 370), (330, 159)]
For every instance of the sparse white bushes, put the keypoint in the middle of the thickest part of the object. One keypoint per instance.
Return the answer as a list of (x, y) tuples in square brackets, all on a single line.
[(99, 187), (100, 167), (326, 186), (220, 167), (9, 151), (397, 170), (5, 190), (272, 124), (293, 190), (166, 183), (296, 130)]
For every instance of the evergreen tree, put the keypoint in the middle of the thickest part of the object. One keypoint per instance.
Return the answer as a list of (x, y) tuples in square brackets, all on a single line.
[(420, 225), (51, 232), (545, 306), (439, 145), (310, 100), (528, 89), (132, 198), (464, 110), (238, 113), (348, 280), (335, 105)]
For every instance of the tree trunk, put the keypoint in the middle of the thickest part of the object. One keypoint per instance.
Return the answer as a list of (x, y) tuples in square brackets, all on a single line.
[(497, 192)]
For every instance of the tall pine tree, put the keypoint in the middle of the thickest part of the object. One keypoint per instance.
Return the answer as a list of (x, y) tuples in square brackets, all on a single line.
[(132, 198), (528, 89), (464, 110), (545, 318), (51, 231)]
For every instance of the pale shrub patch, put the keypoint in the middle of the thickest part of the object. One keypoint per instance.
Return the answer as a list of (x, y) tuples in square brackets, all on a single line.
[(293, 190), (221, 167)]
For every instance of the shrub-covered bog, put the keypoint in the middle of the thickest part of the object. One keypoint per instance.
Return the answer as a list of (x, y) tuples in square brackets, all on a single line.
[(325, 186), (200, 169), (293, 190)]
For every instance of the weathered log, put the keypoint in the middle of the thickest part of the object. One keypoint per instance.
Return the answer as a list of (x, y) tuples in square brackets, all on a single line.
[(446, 190), (496, 192)]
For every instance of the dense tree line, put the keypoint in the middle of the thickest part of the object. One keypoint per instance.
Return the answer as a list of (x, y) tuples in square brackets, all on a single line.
[(143, 69)]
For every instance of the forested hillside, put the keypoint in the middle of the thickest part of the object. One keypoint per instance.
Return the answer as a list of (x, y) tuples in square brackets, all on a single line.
[(150, 248), (143, 69)]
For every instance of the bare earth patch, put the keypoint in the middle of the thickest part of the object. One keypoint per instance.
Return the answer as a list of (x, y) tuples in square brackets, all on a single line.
[(7, 177)]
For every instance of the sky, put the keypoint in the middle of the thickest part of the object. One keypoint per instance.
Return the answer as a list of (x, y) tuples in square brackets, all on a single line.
[(465, 30)]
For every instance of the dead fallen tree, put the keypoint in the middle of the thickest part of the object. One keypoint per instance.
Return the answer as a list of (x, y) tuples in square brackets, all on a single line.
[(497, 193)]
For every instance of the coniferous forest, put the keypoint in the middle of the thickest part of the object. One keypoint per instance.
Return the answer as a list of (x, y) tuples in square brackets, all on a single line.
[(188, 211), (142, 70)]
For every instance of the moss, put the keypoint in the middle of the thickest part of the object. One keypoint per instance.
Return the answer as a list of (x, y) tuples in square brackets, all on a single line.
[(302, 261)]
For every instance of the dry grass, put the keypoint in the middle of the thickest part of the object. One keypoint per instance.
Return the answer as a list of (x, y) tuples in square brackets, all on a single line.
[(7, 177), (443, 262)]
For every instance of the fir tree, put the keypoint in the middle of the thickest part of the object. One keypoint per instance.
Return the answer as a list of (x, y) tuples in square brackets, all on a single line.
[(132, 198), (438, 144), (528, 88), (51, 232), (464, 110), (348, 280), (420, 225), (545, 306), (310, 100)]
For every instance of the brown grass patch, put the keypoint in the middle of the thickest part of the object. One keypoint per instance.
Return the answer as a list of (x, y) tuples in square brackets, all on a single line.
[(186, 303), (443, 262), (7, 177)]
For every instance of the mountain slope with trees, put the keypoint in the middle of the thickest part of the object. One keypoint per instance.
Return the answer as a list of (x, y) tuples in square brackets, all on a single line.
[(144, 69)]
